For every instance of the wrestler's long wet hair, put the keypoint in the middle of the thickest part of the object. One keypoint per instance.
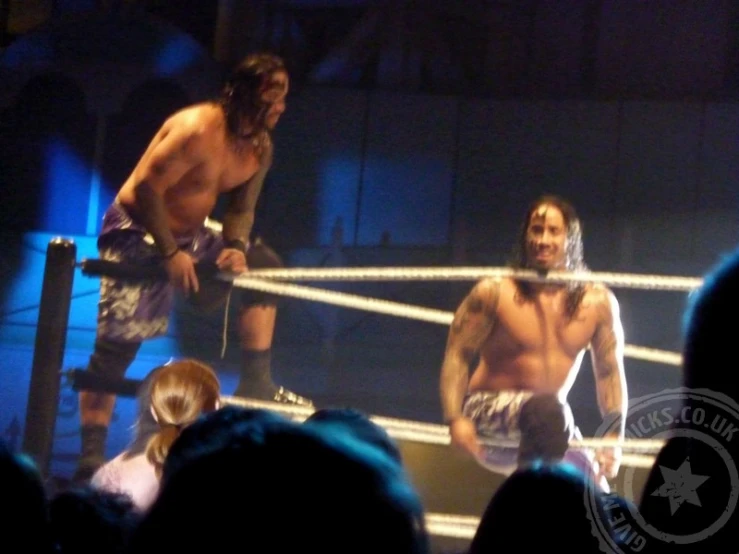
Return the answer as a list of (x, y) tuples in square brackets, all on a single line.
[(241, 97), (574, 250)]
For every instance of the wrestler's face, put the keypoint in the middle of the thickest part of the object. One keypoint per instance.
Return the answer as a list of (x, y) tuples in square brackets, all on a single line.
[(546, 238), (274, 94)]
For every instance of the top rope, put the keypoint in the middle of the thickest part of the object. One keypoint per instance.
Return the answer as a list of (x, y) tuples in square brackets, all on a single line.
[(409, 311), (621, 280)]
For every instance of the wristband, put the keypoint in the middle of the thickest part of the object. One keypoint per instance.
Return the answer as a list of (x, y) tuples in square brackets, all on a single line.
[(171, 254), (238, 244)]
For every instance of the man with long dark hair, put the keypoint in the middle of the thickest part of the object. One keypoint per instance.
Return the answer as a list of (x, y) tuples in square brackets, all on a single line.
[(160, 217), (529, 338)]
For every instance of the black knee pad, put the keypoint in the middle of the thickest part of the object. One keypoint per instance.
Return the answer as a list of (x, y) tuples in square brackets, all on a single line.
[(260, 256), (111, 359)]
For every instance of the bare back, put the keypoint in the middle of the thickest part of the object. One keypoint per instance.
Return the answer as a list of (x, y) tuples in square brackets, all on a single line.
[(533, 344), (191, 161)]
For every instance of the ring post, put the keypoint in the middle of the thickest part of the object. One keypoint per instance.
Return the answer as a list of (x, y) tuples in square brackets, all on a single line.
[(48, 354)]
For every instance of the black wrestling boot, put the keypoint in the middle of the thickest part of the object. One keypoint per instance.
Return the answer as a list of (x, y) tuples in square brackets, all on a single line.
[(92, 452), (256, 380)]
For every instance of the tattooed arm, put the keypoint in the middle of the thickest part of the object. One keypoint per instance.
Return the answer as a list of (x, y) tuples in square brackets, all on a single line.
[(472, 324), (607, 353)]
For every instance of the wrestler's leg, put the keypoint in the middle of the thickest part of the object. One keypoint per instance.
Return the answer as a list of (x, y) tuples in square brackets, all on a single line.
[(110, 359), (124, 310), (257, 318)]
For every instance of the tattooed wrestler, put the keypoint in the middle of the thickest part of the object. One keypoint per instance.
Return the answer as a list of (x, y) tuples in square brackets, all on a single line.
[(160, 216), (529, 339)]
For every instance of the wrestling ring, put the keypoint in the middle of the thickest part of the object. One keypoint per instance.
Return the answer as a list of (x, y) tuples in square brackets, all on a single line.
[(54, 311)]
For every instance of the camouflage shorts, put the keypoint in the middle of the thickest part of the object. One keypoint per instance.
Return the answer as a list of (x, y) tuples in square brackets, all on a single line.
[(496, 414), (130, 311)]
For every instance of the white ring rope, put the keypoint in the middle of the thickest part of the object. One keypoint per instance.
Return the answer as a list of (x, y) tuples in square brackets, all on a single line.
[(430, 433), (447, 525), (406, 310), (624, 280), (346, 300), (457, 526)]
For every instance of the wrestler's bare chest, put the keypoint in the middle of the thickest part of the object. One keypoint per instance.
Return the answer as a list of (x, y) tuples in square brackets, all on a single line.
[(220, 173), (541, 324), (196, 194), (237, 168)]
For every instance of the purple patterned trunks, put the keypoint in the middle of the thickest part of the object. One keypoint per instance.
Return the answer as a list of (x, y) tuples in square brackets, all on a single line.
[(495, 414), (133, 312)]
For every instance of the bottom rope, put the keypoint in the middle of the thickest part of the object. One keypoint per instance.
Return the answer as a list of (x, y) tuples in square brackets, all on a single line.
[(430, 433)]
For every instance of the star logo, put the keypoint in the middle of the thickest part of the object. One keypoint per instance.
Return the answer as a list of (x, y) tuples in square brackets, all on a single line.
[(680, 486), (686, 421)]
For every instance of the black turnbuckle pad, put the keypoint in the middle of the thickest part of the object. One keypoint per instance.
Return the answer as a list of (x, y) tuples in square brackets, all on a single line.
[(82, 380)]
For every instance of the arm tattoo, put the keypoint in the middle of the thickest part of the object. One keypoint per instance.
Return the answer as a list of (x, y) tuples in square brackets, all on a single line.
[(604, 346), (472, 324), (607, 357)]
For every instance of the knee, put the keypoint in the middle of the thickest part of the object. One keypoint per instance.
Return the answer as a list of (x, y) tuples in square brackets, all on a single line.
[(260, 256), (112, 358)]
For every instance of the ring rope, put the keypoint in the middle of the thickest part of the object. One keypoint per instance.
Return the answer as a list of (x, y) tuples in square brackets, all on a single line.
[(430, 433), (588, 443), (624, 280), (408, 311), (456, 526), (347, 300), (439, 524)]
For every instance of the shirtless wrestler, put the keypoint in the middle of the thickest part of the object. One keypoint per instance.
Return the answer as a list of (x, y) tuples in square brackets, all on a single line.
[(529, 339), (160, 217)]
